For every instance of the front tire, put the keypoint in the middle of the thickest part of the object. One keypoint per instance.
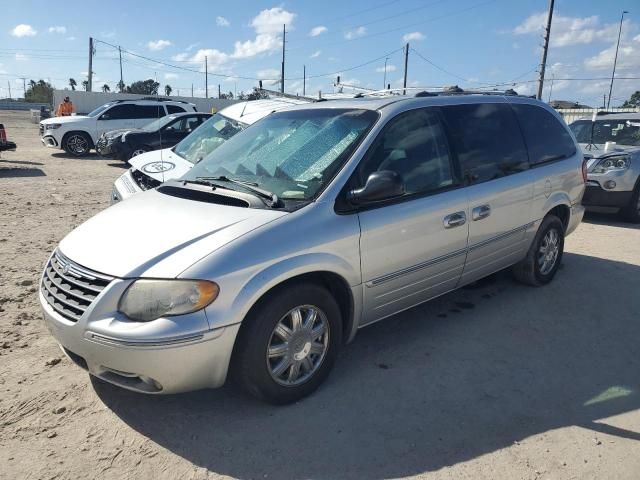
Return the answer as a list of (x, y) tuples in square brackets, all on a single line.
[(288, 343), (135, 151), (544, 256), (77, 144)]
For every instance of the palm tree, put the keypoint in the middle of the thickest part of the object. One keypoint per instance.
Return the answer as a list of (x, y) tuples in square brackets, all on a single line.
[(105, 88), (73, 84), (85, 85), (121, 86), (167, 90)]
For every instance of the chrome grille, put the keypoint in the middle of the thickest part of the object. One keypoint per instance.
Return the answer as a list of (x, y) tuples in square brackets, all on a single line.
[(70, 288), (41, 129)]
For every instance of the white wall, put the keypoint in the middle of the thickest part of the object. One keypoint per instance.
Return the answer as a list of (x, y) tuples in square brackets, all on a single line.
[(84, 102), (572, 114)]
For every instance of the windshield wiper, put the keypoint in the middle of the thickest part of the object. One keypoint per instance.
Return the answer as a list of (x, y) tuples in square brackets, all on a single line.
[(271, 200)]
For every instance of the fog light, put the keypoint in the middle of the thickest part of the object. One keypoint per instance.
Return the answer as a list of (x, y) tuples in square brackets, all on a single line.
[(609, 184)]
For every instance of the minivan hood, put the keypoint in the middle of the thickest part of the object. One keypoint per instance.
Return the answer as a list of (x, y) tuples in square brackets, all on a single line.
[(156, 235), (69, 119), (161, 165)]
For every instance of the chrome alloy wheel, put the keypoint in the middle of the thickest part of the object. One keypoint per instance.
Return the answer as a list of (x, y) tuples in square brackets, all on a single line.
[(137, 152), (298, 345), (78, 144), (548, 252)]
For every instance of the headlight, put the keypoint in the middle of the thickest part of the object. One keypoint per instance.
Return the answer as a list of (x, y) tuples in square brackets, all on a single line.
[(115, 196), (53, 126), (617, 162), (146, 300)]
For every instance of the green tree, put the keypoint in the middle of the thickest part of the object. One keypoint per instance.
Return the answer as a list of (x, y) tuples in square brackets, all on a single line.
[(39, 92), (121, 86), (105, 88), (73, 84), (144, 87), (227, 95), (167, 90), (634, 100)]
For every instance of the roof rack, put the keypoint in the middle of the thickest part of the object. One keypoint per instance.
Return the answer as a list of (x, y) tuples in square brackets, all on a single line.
[(423, 91), (155, 99), (275, 93)]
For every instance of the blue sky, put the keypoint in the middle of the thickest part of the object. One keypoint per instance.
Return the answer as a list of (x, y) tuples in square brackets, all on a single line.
[(471, 43)]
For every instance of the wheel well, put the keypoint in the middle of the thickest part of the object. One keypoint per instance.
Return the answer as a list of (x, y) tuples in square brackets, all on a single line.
[(64, 138), (563, 213), (337, 286)]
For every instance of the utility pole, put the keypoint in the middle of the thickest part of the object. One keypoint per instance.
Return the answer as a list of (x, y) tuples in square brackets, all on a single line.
[(192, 90), (9, 84), (284, 39), (304, 80), (547, 35), (604, 100), (218, 90), (24, 86), (121, 82), (615, 59), (384, 82), (206, 78), (406, 65), (90, 79)]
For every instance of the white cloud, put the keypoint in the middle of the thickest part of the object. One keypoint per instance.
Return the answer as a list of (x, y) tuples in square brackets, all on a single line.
[(271, 21), (390, 68), (319, 30), (58, 29), (628, 58), (566, 31), (358, 32), (158, 45), (315, 54), (171, 76), (413, 36), (222, 22), (269, 73), (23, 30), (215, 58), (192, 46), (21, 57), (263, 43), (108, 34)]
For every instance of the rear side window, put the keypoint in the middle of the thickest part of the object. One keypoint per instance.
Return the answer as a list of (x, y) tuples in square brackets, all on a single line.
[(149, 111), (546, 138), (487, 140), (175, 109)]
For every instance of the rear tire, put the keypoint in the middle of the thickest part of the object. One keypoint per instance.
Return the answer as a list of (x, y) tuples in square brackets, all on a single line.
[(631, 212), (282, 356), (77, 144), (544, 256)]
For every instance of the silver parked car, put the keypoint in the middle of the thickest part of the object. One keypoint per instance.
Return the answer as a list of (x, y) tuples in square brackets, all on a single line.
[(271, 252), (612, 144)]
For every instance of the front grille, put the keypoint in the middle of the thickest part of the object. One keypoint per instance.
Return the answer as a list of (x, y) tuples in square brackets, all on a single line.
[(70, 288), (41, 129), (144, 181)]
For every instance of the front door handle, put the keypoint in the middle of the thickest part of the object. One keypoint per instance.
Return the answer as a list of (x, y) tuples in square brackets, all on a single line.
[(455, 220), (478, 213)]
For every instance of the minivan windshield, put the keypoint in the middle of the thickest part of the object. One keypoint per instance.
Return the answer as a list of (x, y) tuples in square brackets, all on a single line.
[(623, 132), (292, 153), (207, 137), (99, 110)]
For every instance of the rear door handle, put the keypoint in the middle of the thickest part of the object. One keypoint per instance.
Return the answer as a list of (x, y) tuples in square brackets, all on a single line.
[(478, 213), (455, 220)]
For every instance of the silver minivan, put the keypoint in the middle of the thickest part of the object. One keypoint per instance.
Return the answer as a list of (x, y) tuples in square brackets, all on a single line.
[(271, 253)]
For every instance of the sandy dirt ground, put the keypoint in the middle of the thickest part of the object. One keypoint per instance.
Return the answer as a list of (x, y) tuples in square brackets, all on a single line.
[(497, 381)]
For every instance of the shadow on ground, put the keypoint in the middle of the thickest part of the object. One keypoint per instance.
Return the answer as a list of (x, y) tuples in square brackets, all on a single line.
[(464, 375), (16, 162), (21, 172), (613, 219)]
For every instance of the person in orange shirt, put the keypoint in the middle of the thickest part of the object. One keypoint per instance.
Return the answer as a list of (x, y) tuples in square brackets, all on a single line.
[(66, 108)]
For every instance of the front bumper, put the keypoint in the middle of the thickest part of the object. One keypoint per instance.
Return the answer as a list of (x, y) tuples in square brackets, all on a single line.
[(577, 213), (174, 364), (110, 148), (124, 187), (596, 196), (49, 141)]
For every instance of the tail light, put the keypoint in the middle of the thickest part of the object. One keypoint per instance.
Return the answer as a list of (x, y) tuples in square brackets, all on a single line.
[(3, 135), (584, 169)]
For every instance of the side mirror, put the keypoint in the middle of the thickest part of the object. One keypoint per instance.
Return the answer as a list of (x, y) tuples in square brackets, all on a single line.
[(381, 185)]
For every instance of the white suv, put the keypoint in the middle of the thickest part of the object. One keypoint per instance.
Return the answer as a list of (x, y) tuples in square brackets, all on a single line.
[(78, 134)]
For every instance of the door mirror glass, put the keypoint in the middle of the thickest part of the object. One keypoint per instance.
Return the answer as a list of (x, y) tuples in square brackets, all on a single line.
[(380, 185)]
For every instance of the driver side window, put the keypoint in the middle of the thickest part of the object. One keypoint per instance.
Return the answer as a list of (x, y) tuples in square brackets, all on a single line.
[(414, 146)]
